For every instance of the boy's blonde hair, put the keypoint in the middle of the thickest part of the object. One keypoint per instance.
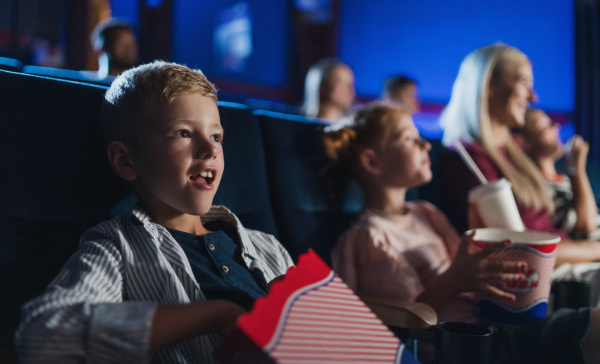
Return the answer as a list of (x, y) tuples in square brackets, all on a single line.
[(127, 103)]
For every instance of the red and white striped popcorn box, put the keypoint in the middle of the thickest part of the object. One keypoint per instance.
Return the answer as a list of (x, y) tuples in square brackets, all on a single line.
[(312, 316)]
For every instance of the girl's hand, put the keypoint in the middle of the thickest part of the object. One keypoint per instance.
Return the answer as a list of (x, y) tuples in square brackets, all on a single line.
[(474, 271)]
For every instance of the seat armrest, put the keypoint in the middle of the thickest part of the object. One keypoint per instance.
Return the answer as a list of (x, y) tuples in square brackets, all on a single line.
[(401, 313)]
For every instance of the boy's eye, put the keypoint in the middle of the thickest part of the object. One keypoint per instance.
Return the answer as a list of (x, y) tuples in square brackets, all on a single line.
[(217, 138), (183, 133)]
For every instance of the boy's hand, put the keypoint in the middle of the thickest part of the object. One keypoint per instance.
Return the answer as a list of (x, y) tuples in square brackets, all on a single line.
[(474, 271), (230, 313)]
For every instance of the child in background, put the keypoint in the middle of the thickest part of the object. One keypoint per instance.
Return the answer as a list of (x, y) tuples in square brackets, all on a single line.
[(409, 250), (163, 281), (404, 91), (575, 209)]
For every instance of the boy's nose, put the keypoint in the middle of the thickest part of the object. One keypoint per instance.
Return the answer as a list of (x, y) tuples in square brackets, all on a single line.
[(206, 149)]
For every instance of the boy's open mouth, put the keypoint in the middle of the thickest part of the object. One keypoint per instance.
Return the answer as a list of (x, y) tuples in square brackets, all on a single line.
[(204, 177)]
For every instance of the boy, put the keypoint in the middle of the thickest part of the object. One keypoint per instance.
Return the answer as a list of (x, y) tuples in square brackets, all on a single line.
[(163, 281), (115, 45), (575, 209), (402, 90)]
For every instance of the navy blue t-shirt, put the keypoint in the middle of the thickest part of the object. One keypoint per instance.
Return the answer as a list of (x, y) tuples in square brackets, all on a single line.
[(218, 267)]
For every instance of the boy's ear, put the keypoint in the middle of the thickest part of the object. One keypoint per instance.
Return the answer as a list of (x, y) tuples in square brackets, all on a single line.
[(119, 156), (369, 161)]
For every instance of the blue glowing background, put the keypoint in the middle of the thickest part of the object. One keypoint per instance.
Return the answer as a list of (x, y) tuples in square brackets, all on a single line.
[(424, 39)]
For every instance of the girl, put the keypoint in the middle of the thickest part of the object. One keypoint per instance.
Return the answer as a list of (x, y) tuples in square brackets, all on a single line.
[(409, 250), (405, 250)]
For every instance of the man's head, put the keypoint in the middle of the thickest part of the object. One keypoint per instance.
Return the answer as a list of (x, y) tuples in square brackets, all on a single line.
[(402, 90), (115, 40), (163, 131)]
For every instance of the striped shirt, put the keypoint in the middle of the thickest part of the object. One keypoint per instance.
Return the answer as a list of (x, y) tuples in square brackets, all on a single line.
[(101, 305)]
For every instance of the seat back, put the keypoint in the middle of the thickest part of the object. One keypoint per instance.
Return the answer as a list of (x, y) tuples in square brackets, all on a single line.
[(306, 216), (71, 75), (244, 188), (55, 182), (10, 64)]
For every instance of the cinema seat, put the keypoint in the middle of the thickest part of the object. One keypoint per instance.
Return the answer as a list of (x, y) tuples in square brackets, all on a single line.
[(55, 181), (10, 64), (305, 214), (71, 75), (244, 188)]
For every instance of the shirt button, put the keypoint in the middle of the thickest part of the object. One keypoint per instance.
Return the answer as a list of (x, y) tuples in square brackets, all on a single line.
[(224, 269), (211, 247)]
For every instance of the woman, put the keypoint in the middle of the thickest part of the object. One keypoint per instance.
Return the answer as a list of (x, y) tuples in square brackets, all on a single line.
[(491, 95), (329, 90)]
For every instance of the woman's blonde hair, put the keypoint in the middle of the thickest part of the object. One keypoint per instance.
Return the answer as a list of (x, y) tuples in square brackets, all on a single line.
[(467, 118), (371, 128)]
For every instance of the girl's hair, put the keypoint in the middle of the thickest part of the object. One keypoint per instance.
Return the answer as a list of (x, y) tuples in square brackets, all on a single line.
[(371, 128), (467, 118), (319, 74), (127, 103)]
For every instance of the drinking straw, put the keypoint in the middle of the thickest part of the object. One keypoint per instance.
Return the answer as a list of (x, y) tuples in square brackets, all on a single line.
[(470, 163)]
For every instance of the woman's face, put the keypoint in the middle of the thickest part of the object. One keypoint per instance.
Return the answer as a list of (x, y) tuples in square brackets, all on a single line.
[(510, 94), (341, 87)]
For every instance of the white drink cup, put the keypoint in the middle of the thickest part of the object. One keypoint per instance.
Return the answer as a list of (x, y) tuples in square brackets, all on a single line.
[(496, 205)]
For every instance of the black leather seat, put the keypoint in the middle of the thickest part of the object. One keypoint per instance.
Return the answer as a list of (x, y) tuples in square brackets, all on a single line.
[(305, 214)]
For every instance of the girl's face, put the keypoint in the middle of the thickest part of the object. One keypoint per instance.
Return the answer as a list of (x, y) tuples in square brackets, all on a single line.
[(341, 87), (542, 134), (510, 94), (405, 157)]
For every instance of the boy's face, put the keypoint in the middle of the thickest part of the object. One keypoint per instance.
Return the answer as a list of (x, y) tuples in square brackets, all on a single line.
[(543, 135), (179, 157), (408, 97)]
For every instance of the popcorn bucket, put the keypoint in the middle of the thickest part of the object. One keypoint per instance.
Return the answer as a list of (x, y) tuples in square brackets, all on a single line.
[(536, 248)]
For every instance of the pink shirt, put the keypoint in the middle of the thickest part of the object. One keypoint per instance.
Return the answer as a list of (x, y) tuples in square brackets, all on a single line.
[(389, 255)]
